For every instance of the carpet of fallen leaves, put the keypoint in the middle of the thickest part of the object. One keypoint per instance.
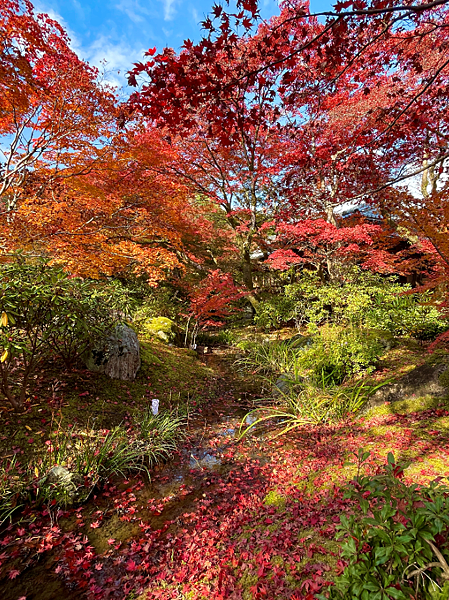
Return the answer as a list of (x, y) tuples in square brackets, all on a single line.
[(227, 519)]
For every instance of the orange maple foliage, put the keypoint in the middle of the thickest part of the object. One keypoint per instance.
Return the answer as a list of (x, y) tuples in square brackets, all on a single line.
[(55, 115), (122, 215)]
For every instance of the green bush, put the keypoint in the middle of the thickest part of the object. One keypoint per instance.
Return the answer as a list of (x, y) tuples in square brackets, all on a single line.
[(338, 353), (368, 300), (396, 545), (409, 315), (46, 312), (158, 302), (275, 312)]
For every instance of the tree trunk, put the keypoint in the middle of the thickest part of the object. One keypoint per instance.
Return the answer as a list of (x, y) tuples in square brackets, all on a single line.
[(248, 277)]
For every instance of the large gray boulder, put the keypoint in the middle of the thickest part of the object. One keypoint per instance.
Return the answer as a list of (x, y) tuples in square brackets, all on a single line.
[(118, 356), (425, 380)]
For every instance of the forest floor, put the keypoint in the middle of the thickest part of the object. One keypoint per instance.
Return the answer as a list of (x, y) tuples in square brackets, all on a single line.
[(228, 518)]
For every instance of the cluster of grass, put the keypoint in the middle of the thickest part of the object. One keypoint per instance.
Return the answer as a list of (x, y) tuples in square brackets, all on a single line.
[(88, 456), (311, 404), (270, 358)]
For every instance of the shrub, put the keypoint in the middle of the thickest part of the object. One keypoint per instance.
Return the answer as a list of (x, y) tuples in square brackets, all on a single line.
[(410, 315), (338, 353), (368, 300), (45, 311), (275, 311), (396, 546), (162, 301)]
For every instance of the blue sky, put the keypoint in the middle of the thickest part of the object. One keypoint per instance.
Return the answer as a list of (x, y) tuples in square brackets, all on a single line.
[(120, 31)]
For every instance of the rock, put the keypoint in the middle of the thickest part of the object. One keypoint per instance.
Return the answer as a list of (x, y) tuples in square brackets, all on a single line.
[(206, 461), (162, 328), (66, 483), (118, 356), (284, 383), (426, 380)]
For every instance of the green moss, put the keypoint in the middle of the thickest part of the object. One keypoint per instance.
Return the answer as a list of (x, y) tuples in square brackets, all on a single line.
[(148, 357), (274, 498), (382, 430), (162, 328), (428, 469), (406, 407), (442, 424), (332, 548), (277, 561), (438, 357), (248, 580)]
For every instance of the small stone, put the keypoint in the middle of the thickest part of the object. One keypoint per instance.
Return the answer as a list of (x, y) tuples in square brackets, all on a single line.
[(425, 380), (66, 482)]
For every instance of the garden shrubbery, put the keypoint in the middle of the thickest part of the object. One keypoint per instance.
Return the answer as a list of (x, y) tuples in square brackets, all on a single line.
[(338, 353), (45, 313), (365, 299), (88, 457)]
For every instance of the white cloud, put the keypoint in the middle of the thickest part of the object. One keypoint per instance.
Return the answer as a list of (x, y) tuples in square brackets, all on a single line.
[(114, 59), (196, 16), (169, 9), (133, 10)]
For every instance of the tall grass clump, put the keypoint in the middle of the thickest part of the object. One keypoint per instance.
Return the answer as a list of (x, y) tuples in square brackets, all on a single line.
[(309, 403), (271, 357), (160, 434), (75, 462)]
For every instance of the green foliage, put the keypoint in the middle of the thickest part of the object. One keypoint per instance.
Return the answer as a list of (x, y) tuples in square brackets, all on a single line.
[(157, 302), (308, 403), (396, 546), (275, 312), (332, 352), (339, 353), (269, 357), (91, 456), (410, 315), (47, 312), (226, 336), (365, 299), (161, 433)]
